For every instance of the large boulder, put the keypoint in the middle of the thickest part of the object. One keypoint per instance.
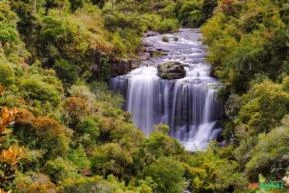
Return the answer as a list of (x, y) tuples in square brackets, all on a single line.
[(171, 70)]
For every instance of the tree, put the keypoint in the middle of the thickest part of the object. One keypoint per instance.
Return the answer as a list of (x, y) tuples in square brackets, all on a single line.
[(165, 171)]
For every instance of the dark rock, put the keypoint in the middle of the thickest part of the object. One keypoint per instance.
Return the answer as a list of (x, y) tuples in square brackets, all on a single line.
[(151, 33), (171, 70), (121, 67)]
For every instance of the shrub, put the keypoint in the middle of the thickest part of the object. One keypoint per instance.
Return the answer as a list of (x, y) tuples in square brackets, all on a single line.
[(79, 158), (74, 108), (60, 170), (33, 183), (168, 25), (7, 33), (99, 185), (159, 144), (110, 158), (165, 171), (66, 72), (34, 88), (208, 171), (42, 133), (262, 108), (270, 156), (89, 125), (116, 20), (7, 75)]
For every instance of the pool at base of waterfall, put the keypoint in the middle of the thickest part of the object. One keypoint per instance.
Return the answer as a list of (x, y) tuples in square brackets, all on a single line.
[(189, 105)]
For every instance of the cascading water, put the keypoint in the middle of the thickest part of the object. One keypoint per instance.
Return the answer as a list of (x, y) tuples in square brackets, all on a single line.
[(188, 105)]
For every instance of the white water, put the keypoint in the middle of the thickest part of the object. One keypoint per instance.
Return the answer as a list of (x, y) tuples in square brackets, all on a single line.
[(188, 105)]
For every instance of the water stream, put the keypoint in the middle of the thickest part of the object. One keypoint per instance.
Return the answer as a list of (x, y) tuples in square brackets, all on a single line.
[(188, 105)]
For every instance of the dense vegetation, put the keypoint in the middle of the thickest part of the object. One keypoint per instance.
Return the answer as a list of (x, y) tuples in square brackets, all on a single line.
[(248, 48), (61, 130)]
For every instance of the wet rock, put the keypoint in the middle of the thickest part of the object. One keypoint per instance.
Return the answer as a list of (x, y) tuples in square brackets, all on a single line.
[(171, 70), (151, 33)]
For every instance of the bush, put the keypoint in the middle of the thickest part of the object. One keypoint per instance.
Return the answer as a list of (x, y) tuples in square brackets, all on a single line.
[(33, 183), (159, 144), (263, 107), (270, 156), (168, 25), (34, 88), (98, 185), (74, 109), (89, 125), (110, 158), (7, 33), (79, 158), (208, 171), (42, 133), (165, 171), (60, 170), (116, 20), (7, 75), (66, 72)]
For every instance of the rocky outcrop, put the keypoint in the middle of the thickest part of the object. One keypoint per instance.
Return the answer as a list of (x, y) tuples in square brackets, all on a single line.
[(171, 70), (121, 67)]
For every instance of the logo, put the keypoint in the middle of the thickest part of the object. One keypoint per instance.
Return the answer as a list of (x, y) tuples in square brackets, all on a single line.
[(271, 185)]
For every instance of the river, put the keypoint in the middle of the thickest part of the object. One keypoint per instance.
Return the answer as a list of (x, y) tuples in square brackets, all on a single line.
[(188, 105)]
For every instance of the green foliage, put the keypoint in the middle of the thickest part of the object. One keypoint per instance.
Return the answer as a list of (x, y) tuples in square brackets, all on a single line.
[(168, 25), (263, 107), (74, 130), (247, 42), (7, 75), (89, 125), (111, 159), (60, 170), (270, 155), (98, 185), (209, 171), (159, 144), (33, 183), (101, 92), (195, 13), (66, 72), (37, 89), (244, 41), (165, 171), (7, 34), (79, 158), (42, 133)]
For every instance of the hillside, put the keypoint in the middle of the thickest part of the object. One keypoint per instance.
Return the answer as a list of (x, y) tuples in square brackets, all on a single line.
[(62, 130)]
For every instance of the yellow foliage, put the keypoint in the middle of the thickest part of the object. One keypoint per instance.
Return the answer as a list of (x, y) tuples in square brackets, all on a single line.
[(7, 116), (11, 155)]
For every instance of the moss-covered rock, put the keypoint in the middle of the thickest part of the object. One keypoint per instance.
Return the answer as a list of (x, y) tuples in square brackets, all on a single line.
[(171, 70)]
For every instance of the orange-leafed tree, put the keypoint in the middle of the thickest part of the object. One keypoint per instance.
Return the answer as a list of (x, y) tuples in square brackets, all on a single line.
[(8, 156)]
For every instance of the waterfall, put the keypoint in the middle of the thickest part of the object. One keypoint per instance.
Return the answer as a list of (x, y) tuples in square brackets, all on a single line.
[(188, 105), (143, 98)]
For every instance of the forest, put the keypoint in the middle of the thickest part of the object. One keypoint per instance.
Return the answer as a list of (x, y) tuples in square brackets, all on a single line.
[(63, 131)]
